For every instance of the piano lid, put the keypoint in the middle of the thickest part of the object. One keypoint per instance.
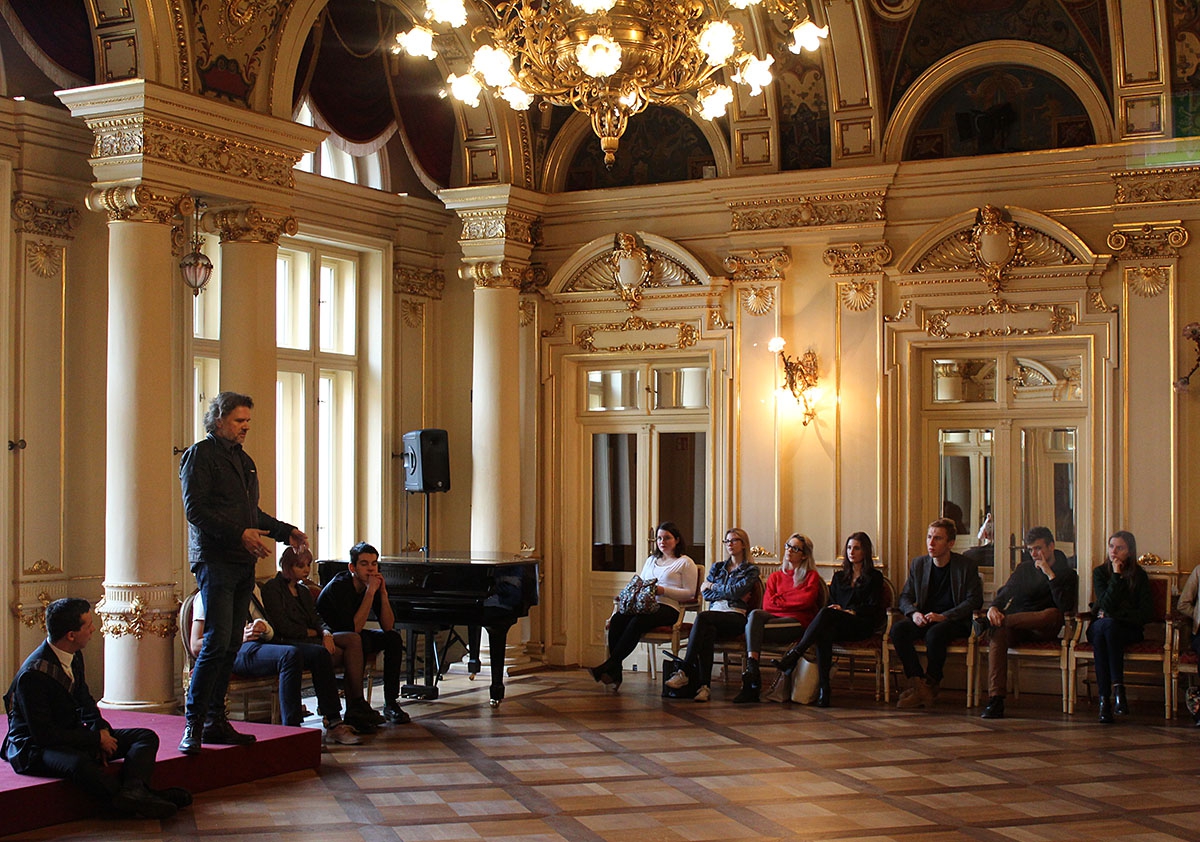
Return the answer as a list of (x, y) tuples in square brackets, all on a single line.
[(465, 557)]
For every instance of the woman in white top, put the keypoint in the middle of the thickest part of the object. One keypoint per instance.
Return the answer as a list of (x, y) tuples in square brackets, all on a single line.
[(676, 574)]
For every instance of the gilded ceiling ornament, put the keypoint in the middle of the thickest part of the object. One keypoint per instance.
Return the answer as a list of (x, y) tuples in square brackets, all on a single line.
[(809, 211), (43, 258), (757, 300), (1162, 184), (687, 335), (253, 224), (1151, 240), (412, 313), (857, 259), (1148, 281), (757, 265), (937, 323), (411, 280), (46, 218), (501, 224), (210, 152), (857, 296), (528, 312), (137, 622)]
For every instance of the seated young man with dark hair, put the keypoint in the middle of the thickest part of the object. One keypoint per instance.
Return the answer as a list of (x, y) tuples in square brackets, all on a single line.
[(355, 596), (55, 728)]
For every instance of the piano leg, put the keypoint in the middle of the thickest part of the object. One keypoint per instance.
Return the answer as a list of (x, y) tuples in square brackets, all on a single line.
[(474, 637), (497, 640)]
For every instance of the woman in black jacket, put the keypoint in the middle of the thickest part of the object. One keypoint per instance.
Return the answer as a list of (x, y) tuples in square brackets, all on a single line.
[(1122, 604)]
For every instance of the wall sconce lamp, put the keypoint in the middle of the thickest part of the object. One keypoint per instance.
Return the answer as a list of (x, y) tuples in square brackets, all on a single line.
[(800, 377), (1191, 332), (195, 266)]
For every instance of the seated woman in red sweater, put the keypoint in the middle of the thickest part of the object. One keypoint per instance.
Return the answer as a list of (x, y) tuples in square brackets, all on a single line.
[(792, 599)]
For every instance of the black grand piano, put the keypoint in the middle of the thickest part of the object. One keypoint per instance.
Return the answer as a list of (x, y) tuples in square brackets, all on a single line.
[(445, 590)]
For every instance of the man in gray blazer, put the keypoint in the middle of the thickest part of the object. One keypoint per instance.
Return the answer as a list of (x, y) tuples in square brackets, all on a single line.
[(941, 594)]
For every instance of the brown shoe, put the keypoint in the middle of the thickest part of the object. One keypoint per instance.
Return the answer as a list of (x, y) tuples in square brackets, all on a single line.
[(918, 695)]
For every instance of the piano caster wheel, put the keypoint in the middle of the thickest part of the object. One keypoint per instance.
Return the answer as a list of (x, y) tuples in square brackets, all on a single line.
[(494, 703)]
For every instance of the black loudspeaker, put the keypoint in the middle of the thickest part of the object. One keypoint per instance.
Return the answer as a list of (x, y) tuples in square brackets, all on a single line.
[(426, 460)]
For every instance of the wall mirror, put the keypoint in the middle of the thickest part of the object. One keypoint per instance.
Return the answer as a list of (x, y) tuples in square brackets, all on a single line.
[(966, 480)]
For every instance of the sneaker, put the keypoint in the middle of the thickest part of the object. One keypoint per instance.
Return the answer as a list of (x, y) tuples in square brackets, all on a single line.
[(343, 734), (678, 681), (395, 714), (703, 694), (994, 708)]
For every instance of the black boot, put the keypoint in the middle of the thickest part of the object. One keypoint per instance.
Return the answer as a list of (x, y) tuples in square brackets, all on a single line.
[(1120, 702), (1106, 713), (750, 685), (190, 744), (788, 662), (823, 695)]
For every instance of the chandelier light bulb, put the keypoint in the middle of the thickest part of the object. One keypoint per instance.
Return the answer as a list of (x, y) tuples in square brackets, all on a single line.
[(517, 99), (418, 41), (718, 42), (465, 89), (808, 36), (593, 7), (494, 65), (452, 12), (755, 73), (599, 57), (714, 100), (743, 4)]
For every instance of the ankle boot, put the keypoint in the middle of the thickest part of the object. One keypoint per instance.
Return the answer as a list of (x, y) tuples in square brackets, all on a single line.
[(788, 662), (823, 695), (749, 691), (1106, 714), (1120, 702), (751, 672)]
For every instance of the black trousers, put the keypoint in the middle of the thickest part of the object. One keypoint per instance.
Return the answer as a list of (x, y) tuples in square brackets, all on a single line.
[(137, 746), (391, 644), (625, 631), (937, 637), (831, 625), (711, 626)]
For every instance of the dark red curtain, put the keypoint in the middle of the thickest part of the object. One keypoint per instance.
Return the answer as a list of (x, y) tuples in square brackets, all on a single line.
[(62, 30)]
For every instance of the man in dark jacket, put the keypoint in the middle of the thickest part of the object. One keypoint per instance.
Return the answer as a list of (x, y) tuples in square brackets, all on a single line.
[(225, 532), (55, 728), (940, 595), (1030, 607)]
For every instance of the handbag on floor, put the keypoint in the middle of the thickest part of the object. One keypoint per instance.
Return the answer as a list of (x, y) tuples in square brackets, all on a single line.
[(805, 679)]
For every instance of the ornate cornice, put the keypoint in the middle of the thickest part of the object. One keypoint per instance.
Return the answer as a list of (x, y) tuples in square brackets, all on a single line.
[(44, 217), (757, 300), (809, 211), (138, 203), (857, 259), (501, 224), (856, 296), (937, 322), (1163, 184), (757, 264), (251, 224), (412, 313), (1148, 240), (412, 280), (687, 334)]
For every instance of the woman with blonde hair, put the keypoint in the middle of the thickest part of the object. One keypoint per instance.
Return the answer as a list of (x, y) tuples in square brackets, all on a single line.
[(791, 600)]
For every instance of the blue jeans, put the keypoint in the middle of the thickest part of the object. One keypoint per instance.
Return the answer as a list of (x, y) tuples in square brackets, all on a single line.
[(290, 661), (225, 589)]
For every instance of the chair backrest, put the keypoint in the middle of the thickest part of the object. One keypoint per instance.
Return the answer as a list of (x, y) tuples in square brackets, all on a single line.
[(888, 597), (313, 588), (823, 596), (756, 594)]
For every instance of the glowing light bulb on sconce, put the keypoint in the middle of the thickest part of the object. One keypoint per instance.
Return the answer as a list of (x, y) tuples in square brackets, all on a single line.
[(801, 378)]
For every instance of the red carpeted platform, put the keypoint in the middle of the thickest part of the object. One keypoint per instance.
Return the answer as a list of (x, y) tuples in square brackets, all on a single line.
[(28, 802)]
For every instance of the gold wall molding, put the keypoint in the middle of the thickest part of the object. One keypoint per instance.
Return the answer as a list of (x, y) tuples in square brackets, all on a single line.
[(41, 566), (138, 203), (29, 614), (412, 313), (716, 318), (1148, 281), (501, 224), (809, 211), (555, 329), (1096, 297), (1061, 320), (757, 264), (44, 218), (857, 296), (43, 258), (687, 334), (138, 609), (1148, 240), (1161, 184), (252, 224), (900, 314), (411, 280), (757, 300), (857, 259)]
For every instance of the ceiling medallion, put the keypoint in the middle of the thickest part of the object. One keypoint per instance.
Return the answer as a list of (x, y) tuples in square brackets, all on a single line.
[(608, 59)]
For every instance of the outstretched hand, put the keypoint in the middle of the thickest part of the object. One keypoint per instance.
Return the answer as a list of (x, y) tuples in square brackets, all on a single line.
[(252, 541)]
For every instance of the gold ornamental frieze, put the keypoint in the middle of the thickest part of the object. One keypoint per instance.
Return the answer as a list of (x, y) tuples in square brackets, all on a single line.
[(411, 280), (501, 224), (253, 224), (138, 203), (412, 313), (44, 218), (1162, 184), (1148, 240), (857, 258), (669, 335), (757, 264), (1000, 318), (809, 211)]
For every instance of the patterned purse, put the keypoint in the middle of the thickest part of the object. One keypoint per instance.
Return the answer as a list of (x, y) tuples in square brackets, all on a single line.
[(638, 597)]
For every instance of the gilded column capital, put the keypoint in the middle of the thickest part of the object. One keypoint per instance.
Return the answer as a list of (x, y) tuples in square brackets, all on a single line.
[(857, 258), (44, 217), (251, 224), (757, 264), (1148, 240), (138, 609), (501, 224), (413, 280), (138, 203), (494, 274)]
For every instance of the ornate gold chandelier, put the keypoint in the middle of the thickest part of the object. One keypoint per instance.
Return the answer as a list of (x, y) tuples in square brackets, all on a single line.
[(609, 59)]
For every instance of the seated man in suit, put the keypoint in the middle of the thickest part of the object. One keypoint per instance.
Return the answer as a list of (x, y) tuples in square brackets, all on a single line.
[(55, 729), (941, 593), (1030, 607), (357, 595)]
